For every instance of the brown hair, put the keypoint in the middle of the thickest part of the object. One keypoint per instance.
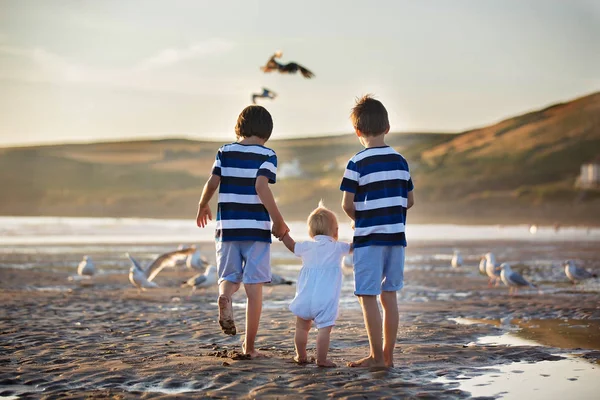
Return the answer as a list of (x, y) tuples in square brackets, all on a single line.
[(254, 120), (322, 221), (369, 116)]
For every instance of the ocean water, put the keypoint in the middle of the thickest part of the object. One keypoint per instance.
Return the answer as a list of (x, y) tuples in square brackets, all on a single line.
[(64, 230)]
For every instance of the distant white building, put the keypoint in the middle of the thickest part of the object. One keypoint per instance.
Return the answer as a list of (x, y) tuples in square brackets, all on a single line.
[(590, 176)]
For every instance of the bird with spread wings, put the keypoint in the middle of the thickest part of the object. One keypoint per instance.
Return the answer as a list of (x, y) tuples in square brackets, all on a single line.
[(266, 94), (289, 68), (142, 277)]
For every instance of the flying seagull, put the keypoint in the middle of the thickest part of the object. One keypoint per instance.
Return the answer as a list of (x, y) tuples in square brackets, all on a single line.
[(204, 280), (575, 273), (142, 277), (289, 68), (266, 94), (512, 279)]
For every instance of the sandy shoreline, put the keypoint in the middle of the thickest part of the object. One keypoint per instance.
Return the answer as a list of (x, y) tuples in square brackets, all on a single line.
[(107, 341)]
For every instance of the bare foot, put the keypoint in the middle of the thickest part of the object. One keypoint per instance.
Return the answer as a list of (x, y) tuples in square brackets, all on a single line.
[(326, 364), (301, 360), (366, 362), (226, 315)]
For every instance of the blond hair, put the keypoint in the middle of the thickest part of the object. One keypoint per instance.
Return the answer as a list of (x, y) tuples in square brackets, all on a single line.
[(322, 221)]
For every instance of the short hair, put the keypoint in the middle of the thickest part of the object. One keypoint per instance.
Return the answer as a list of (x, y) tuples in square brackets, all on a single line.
[(369, 116), (254, 120), (322, 221)]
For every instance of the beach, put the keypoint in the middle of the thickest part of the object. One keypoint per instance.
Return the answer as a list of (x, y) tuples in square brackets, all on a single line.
[(102, 339)]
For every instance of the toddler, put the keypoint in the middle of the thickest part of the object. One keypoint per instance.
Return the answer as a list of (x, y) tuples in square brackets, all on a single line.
[(319, 284)]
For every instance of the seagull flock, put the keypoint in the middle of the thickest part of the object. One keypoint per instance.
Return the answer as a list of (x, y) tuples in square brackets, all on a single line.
[(141, 277), (274, 65)]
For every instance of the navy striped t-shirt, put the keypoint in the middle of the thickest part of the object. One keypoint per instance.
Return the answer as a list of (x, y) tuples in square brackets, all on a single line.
[(241, 214), (380, 180)]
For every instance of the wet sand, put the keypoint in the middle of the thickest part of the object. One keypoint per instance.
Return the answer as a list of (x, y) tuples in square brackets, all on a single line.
[(104, 340)]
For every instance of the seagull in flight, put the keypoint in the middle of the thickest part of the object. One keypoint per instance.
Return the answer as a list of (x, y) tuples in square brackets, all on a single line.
[(142, 277), (266, 94), (289, 68), (196, 261), (512, 279), (575, 273)]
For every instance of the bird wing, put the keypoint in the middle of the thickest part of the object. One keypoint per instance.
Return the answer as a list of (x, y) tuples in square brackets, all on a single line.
[(134, 262), (519, 280), (166, 260), (580, 273), (305, 72), (200, 279)]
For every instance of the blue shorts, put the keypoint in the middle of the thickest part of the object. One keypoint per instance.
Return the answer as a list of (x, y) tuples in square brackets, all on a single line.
[(377, 269), (247, 262)]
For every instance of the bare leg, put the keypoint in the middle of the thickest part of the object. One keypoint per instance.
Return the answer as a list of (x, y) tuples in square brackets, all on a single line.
[(373, 324), (300, 339), (226, 290), (323, 347), (389, 303), (253, 311)]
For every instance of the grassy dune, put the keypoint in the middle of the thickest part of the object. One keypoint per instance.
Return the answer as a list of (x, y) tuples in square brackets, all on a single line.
[(521, 170)]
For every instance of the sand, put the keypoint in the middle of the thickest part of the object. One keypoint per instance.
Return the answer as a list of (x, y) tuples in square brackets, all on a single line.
[(104, 340)]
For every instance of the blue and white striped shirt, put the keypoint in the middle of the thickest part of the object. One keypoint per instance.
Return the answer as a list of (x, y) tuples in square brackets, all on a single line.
[(241, 214), (380, 180)]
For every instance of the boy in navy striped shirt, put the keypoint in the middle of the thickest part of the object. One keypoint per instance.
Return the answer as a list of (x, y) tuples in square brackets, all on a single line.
[(377, 190), (242, 172)]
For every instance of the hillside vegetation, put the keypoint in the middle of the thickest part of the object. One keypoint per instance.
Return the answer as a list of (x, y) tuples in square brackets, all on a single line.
[(521, 170)]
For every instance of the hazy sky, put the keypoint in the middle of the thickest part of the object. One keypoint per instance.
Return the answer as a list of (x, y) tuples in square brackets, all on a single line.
[(95, 70)]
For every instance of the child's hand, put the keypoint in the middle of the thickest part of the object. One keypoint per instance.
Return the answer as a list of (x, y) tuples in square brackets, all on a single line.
[(204, 214), (280, 229)]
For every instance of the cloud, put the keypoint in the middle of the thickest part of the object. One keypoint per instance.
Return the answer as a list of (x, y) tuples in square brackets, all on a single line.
[(150, 74), (168, 57)]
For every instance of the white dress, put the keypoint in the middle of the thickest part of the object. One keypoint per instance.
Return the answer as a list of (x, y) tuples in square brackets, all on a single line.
[(320, 282)]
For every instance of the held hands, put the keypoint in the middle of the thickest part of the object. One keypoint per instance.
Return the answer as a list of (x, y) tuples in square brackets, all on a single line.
[(280, 229), (204, 214)]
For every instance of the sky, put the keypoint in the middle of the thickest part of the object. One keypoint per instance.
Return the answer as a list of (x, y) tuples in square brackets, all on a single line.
[(82, 71)]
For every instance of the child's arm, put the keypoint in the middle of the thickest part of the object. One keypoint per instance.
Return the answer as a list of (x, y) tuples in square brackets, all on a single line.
[(204, 214), (348, 205), (266, 197), (411, 199), (288, 242)]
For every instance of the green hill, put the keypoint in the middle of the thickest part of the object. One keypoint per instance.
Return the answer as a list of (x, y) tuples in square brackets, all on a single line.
[(520, 170)]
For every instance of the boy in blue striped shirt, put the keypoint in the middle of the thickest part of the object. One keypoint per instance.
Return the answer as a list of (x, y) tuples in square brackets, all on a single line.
[(242, 172), (377, 190)]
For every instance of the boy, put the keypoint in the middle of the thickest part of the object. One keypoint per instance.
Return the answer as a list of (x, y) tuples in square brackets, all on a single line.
[(377, 192), (242, 171)]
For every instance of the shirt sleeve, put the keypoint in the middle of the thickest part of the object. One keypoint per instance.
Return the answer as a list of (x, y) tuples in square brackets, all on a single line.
[(269, 169), (344, 248), (216, 170), (410, 186), (350, 180), (300, 248)]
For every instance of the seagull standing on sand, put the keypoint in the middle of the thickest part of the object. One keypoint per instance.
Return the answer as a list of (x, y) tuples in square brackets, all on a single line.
[(512, 279), (457, 259), (266, 94), (492, 269), (86, 267), (196, 260), (142, 277), (279, 280), (289, 68), (575, 273), (482, 264), (207, 279)]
